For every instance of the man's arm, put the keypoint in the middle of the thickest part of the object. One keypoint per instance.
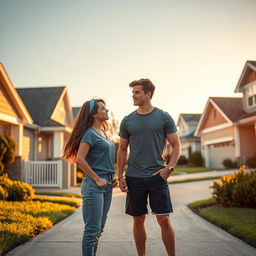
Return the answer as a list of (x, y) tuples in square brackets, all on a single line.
[(121, 162), (174, 141)]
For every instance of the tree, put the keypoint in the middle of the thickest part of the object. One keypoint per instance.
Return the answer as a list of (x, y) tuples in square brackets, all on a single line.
[(113, 128)]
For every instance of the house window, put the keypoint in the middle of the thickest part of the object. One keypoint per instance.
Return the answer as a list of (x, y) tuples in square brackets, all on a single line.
[(250, 101), (251, 92)]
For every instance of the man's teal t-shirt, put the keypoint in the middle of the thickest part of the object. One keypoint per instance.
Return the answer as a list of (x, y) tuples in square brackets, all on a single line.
[(146, 134), (101, 156)]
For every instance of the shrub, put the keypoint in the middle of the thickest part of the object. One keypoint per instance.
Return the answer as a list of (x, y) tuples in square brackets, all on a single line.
[(228, 163), (2, 152), (17, 190), (182, 160), (1, 168), (7, 148), (195, 159), (238, 189), (5, 182), (251, 162), (20, 191), (79, 176), (3, 193)]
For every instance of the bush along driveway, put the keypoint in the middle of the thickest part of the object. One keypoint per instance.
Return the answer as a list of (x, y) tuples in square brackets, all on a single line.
[(233, 206)]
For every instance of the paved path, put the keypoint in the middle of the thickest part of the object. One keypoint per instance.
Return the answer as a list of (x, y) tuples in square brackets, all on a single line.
[(194, 235)]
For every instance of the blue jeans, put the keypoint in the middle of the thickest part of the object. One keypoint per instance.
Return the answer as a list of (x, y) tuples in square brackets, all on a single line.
[(96, 204)]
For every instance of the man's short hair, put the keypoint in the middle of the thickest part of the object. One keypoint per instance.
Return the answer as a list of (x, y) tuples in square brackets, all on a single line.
[(146, 84)]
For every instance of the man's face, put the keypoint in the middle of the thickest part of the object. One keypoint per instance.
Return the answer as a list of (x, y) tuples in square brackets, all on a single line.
[(138, 95)]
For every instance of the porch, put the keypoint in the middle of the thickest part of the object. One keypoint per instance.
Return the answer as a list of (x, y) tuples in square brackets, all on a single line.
[(49, 174)]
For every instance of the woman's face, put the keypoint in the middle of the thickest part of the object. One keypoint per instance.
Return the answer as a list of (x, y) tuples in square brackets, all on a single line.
[(102, 112)]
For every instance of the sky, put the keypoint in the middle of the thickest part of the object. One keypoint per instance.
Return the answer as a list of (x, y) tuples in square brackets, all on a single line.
[(189, 49)]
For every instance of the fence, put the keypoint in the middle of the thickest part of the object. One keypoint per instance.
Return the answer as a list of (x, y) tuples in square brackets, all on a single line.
[(43, 173)]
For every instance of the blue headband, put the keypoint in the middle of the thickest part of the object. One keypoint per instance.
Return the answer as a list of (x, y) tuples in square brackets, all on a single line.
[(92, 102)]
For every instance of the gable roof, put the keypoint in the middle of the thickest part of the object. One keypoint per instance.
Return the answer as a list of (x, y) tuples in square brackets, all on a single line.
[(41, 102), (190, 136), (249, 65), (75, 111), (188, 117), (14, 96), (232, 108)]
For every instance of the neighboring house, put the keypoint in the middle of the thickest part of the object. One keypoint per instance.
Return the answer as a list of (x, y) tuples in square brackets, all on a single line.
[(187, 124), (40, 121), (13, 117), (228, 125), (51, 112)]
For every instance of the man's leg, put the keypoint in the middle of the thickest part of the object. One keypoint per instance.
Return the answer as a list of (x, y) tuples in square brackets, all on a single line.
[(139, 233), (168, 236)]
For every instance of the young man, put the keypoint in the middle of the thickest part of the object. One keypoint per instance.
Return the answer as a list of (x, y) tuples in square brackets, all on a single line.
[(145, 131)]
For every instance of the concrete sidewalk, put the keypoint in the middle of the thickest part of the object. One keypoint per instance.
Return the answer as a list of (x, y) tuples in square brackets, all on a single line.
[(194, 235)]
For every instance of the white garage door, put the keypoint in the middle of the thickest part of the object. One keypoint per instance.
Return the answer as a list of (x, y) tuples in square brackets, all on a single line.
[(219, 152)]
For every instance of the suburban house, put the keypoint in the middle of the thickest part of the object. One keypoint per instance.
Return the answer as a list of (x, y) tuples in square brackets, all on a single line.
[(13, 117), (51, 112), (40, 121), (187, 124), (227, 126)]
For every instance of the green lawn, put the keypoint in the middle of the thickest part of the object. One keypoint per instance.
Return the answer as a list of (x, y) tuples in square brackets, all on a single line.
[(59, 194), (19, 221), (186, 170), (194, 179), (237, 221)]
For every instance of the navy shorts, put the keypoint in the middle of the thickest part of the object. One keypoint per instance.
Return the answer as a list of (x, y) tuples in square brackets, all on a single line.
[(140, 189)]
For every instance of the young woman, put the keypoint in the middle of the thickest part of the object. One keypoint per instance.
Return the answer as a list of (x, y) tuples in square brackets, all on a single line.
[(94, 153)]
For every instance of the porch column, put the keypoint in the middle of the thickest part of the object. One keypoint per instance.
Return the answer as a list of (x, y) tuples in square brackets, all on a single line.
[(255, 128), (237, 142), (58, 142), (206, 156), (17, 134)]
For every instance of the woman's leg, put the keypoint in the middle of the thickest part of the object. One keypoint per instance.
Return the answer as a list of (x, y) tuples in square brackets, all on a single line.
[(93, 204), (107, 197)]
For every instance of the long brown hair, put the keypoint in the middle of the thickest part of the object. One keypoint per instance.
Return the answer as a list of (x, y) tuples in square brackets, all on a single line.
[(83, 122)]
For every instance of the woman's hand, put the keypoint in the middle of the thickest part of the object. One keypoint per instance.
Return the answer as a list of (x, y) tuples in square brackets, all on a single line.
[(101, 182)]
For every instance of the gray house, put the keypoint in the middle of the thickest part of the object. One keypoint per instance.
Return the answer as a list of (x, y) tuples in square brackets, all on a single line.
[(43, 141), (187, 124)]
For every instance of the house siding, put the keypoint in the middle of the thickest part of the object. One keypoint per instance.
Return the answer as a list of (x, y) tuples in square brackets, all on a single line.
[(6, 106), (61, 115), (248, 139), (250, 77), (213, 118), (28, 144), (226, 132)]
